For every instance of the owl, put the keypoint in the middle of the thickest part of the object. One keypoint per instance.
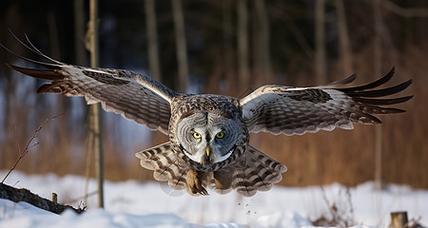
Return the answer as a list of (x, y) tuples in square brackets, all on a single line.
[(209, 134)]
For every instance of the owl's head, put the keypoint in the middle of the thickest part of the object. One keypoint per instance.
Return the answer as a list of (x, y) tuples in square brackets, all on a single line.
[(208, 138)]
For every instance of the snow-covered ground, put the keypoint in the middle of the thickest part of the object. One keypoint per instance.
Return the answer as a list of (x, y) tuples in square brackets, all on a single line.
[(135, 204)]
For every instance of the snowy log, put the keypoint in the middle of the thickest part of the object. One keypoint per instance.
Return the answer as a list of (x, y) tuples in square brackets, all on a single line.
[(17, 195)]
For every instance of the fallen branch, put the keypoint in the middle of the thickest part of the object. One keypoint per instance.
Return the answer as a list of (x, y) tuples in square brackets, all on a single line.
[(18, 195)]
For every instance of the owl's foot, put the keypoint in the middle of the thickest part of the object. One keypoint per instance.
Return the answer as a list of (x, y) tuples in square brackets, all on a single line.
[(194, 180), (223, 180)]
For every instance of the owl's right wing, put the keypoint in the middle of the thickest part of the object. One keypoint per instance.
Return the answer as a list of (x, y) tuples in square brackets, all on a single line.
[(298, 110), (135, 96)]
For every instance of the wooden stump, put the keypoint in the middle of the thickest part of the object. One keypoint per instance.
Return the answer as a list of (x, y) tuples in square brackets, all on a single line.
[(399, 219)]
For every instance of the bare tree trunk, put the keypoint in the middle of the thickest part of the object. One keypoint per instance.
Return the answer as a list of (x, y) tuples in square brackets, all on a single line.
[(180, 38), (152, 39), (261, 33), (10, 139), (79, 33), (345, 48), (53, 35), (377, 71), (80, 59), (320, 53), (94, 113), (9, 150), (243, 65), (62, 134), (228, 49)]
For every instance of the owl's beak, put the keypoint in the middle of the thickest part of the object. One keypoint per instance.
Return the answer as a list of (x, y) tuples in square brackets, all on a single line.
[(207, 156), (208, 151)]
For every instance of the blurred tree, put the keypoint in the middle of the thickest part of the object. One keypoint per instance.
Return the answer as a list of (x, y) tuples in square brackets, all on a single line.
[(94, 120), (377, 53), (228, 62), (261, 33), (180, 38), (152, 39), (344, 42), (320, 53), (243, 66)]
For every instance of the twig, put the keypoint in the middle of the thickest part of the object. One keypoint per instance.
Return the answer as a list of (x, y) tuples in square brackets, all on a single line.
[(349, 198), (29, 145), (329, 206)]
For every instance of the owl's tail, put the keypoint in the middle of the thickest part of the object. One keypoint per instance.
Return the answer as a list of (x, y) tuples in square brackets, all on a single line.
[(167, 166), (255, 171)]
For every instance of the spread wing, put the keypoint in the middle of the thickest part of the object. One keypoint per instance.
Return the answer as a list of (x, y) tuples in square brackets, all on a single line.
[(134, 95), (297, 110)]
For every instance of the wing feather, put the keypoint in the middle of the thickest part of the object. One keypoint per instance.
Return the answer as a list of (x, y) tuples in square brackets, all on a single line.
[(298, 110), (134, 95)]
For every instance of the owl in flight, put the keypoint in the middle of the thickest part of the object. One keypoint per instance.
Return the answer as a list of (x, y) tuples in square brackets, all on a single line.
[(209, 134)]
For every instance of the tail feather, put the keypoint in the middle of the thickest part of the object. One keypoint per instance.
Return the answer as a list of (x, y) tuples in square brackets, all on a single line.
[(255, 171), (167, 166)]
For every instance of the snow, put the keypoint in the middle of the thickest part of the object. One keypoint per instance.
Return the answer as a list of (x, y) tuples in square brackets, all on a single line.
[(151, 204)]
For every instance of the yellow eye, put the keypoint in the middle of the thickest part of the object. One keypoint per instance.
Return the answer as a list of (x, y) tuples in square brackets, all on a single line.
[(220, 135), (196, 135)]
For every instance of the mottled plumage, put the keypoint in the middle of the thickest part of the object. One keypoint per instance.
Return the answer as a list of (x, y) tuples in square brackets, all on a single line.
[(208, 143)]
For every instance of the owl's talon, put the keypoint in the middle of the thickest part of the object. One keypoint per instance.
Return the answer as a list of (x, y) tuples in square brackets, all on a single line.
[(194, 180), (203, 191)]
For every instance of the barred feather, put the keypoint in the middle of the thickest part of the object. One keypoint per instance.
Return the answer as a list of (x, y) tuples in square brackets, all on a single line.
[(253, 172), (167, 166), (134, 96), (298, 110)]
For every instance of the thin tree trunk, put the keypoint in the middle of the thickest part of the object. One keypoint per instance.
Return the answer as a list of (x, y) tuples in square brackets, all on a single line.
[(320, 52), (152, 39), (80, 59), (345, 48), (243, 66), (261, 33), (94, 113), (377, 69), (180, 38), (62, 133), (10, 139), (9, 149), (79, 33), (228, 50)]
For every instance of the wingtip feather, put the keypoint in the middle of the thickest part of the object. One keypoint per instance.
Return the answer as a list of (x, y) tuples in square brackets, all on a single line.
[(42, 74)]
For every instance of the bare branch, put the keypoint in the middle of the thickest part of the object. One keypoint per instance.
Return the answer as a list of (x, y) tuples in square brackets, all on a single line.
[(29, 145)]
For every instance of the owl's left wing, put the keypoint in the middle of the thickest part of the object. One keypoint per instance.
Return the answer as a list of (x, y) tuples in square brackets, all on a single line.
[(134, 95), (298, 110)]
